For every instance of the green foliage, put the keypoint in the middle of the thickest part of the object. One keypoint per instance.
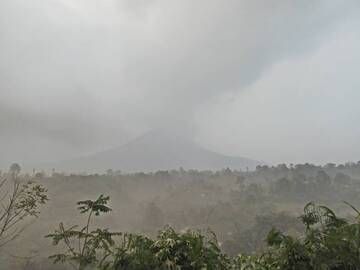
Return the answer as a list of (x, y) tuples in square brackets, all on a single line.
[(133, 252), (84, 247), (243, 262), (329, 243), (169, 250), (97, 207), (31, 195), (189, 250)]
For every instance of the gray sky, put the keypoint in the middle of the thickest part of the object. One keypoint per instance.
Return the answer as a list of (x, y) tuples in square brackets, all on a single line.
[(273, 80)]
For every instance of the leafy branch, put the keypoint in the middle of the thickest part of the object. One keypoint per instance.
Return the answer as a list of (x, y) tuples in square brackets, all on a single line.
[(82, 245)]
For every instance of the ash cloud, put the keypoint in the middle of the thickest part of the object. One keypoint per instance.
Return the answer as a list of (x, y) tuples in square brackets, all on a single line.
[(79, 76)]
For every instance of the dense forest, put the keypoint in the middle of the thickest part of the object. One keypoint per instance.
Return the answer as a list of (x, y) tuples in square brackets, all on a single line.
[(277, 217)]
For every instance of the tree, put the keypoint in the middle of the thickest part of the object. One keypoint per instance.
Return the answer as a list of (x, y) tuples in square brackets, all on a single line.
[(283, 186), (329, 242), (14, 170), (20, 201), (82, 245), (154, 216), (342, 179), (323, 179), (169, 250)]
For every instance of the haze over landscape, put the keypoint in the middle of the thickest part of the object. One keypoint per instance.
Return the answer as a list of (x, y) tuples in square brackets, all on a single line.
[(179, 135)]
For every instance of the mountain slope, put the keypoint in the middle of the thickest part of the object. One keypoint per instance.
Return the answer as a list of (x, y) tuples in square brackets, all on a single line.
[(155, 151)]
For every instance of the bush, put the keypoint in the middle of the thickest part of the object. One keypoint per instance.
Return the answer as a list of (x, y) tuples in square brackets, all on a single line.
[(329, 242)]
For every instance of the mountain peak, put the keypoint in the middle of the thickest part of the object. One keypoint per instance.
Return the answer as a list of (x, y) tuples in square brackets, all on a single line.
[(156, 150)]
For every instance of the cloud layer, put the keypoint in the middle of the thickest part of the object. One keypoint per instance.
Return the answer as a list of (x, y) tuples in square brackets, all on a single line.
[(77, 76)]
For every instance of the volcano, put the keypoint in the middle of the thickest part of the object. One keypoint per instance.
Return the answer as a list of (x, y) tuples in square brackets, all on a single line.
[(156, 151)]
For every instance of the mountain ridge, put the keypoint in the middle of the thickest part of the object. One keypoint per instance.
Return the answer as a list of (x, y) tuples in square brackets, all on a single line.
[(155, 151)]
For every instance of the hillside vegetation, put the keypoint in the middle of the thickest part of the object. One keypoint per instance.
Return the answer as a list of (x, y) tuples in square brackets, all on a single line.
[(189, 219)]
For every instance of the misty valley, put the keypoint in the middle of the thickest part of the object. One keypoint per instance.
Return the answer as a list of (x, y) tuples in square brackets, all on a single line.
[(273, 217)]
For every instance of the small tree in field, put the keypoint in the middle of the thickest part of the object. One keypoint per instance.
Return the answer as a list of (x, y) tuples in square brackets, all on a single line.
[(14, 170), (82, 246), (19, 202)]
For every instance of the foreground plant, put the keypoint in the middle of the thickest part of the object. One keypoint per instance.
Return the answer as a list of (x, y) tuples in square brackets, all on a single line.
[(84, 247), (170, 250), (329, 243), (20, 201)]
